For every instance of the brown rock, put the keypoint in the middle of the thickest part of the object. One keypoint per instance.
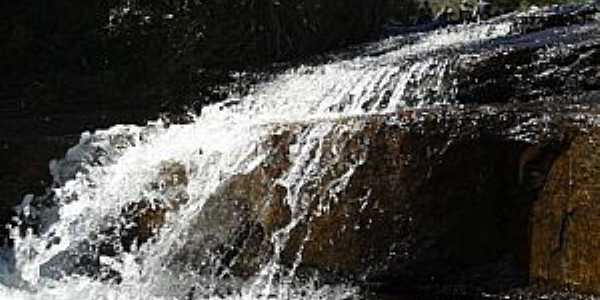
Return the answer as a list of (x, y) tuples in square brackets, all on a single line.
[(235, 225), (565, 230), (147, 216), (444, 198), (422, 204)]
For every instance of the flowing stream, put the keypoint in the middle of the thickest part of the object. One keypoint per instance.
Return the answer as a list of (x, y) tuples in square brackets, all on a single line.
[(111, 169)]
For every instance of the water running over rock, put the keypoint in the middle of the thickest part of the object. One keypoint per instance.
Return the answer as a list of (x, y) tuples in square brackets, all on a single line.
[(363, 170)]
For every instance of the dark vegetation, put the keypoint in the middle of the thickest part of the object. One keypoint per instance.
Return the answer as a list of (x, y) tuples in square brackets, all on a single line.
[(64, 56), (159, 55)]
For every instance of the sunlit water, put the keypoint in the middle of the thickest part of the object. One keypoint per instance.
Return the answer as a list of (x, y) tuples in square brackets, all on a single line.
[(112, 168)]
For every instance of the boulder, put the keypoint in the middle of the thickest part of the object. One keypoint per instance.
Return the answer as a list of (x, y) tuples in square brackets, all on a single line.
[(411, 197), (451, 197), (565, 221)]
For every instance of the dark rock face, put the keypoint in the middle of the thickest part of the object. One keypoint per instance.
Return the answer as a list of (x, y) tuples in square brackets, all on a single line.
[(454, 197), (450, 205), (565, 223), (236, 224), (553, 55), (461, 204), (525, 72), (576, 78)]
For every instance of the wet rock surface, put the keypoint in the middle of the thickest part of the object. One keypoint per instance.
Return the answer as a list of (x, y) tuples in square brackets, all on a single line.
[(493, 194), (528, 69), (460, 198), (418, 206), (29, 143), (565, 224), (139, 223), (142, 220)]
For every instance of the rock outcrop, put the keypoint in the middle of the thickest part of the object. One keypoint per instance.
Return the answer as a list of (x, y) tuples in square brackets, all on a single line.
[(493, 196), (527, 69), (391, 200), (455, 196), (565, 221)]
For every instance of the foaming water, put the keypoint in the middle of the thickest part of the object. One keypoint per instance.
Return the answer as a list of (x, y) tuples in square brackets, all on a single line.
[(111, 169), (85, 288)]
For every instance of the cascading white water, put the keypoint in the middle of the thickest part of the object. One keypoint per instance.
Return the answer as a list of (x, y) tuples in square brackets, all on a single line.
[(113, 168)]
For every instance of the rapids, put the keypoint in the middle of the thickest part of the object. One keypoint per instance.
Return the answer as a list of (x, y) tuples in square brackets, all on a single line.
[(112, 168)]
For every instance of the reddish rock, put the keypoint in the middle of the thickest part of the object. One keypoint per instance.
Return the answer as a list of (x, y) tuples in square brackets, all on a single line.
[(565, 222), (444, 197)]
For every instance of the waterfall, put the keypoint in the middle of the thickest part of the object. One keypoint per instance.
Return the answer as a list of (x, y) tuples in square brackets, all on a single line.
[(110, 171)]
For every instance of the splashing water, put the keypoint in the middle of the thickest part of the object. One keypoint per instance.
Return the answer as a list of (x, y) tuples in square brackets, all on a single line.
[(111, 169)]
